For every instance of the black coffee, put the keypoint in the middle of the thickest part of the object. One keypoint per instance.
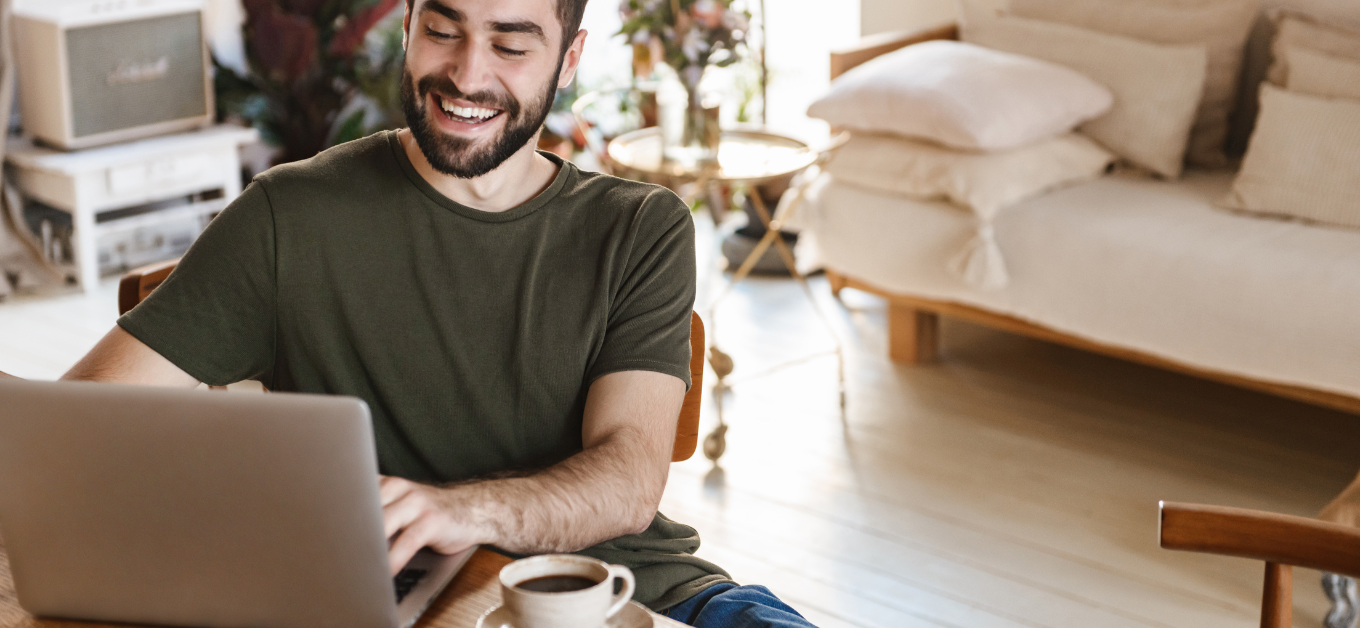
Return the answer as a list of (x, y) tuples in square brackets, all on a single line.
[(557, 584)]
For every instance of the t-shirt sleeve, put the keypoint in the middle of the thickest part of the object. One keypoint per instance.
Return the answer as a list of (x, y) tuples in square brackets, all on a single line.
[(214, 316), (649, 316)]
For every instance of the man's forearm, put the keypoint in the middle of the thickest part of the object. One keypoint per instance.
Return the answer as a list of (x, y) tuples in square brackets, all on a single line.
[(610, 489), (591, 497)]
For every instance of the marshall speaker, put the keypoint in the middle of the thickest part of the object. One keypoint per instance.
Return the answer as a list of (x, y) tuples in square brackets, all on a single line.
[(93, 72)]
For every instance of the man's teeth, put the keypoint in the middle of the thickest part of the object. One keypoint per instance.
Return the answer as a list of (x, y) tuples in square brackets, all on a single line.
[(473, 113)]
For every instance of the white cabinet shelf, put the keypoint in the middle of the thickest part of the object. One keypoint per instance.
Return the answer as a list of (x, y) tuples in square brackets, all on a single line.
[(202, 168)]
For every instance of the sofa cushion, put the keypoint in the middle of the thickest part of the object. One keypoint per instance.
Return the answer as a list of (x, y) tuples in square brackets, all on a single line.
[(1256, 58), (1221, 25), (1157, 87), (1303, 160), (1128, 262), (962, 96), (1296, 30), (1320, 74), (981, 182)]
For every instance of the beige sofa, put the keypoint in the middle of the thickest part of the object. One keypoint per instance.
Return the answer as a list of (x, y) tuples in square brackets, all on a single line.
[(1143, 269)]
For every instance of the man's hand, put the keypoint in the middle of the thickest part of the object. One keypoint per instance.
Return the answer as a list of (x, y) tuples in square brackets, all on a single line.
[(421, 516), (610, 489)]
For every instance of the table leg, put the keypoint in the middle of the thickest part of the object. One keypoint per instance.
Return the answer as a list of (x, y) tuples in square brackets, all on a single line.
[(772, 237), (754, 256), (87, 254), (774, 227), (1345, 601)]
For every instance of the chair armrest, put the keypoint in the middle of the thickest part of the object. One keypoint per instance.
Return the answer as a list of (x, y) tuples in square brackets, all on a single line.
[(1275, 538), (136, 284), (874, 45)]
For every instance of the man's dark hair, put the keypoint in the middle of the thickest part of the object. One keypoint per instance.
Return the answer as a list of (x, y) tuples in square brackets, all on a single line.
[(569, 13)]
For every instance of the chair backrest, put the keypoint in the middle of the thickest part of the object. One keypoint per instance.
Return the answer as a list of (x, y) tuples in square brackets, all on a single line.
[(137, 284), (1280, 540)]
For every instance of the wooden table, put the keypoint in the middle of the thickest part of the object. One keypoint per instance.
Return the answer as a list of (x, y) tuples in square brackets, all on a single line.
[(473, 591)]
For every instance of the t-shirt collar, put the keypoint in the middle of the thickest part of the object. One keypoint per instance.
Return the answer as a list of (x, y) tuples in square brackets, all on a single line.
[(514, 213)]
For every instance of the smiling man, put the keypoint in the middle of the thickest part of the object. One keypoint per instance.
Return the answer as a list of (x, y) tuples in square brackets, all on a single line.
[(519, 328)]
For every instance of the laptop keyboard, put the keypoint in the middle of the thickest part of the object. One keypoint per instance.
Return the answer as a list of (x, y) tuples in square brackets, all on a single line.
[(406, 580)]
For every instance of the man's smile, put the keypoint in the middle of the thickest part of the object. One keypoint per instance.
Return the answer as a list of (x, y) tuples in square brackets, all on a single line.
[(465, 113)]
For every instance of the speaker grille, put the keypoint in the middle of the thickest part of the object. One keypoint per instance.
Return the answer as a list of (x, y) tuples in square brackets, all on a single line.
[(131, 74)]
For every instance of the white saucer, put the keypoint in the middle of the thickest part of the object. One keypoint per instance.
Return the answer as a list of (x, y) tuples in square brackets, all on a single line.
[(633, 615)]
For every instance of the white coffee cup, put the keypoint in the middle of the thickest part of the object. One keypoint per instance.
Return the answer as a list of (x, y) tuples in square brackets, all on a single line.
[(586, 603)]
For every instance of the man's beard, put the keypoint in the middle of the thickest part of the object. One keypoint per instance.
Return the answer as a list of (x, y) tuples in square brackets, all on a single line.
[(456, 156)]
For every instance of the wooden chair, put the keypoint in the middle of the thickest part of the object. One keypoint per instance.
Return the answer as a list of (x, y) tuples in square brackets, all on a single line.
[(138, 283), (1280, 540)]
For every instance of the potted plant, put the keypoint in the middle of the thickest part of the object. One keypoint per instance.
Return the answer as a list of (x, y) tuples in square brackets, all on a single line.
[(307, 60), (689, 36)]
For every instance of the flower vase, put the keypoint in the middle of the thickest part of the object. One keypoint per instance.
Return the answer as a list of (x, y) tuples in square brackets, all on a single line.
[(690, 133)]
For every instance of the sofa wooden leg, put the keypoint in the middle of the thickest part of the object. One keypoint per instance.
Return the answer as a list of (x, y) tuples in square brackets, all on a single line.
[(913, 335), (837, 282)]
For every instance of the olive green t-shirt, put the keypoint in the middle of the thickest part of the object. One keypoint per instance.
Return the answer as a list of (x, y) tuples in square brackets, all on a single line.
[(473, 336)]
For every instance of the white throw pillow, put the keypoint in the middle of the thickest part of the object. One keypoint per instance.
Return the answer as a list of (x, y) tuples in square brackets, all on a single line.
[(1303, 160), (1156, 87), (1319, 74), (1297, 31), (1222, 25), (984, 182), (962, 96)]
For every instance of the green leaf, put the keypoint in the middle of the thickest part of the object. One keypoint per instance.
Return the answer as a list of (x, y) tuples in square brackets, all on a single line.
[(638, 23)]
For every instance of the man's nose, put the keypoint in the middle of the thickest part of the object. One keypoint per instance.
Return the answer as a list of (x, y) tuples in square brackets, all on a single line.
[(471, 70)]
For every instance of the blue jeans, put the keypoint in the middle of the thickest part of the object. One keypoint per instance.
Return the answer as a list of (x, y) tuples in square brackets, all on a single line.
[(727, 605)]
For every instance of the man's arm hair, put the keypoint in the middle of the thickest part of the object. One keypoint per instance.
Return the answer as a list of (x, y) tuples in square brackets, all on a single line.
[(120, 358), (610, 489)]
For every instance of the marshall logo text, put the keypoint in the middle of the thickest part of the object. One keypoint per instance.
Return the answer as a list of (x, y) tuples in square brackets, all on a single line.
[(133, 72)]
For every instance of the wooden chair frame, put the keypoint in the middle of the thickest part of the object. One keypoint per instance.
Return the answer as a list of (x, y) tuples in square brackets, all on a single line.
[(138, 283), (1282, 541)]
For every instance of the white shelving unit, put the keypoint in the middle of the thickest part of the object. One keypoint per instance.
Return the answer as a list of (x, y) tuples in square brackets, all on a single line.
[(202, 168)]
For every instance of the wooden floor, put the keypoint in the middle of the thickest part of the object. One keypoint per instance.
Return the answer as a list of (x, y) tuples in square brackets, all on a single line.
[(1013, 484)]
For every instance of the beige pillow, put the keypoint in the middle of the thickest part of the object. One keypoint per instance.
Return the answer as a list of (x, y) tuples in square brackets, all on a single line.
[(1320, 74), (1297, 31), (1221, 25), (963, 96), (1303, 160), (985, 182), (1156, 87)]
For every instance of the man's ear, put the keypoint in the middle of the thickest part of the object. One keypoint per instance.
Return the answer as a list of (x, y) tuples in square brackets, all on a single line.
[(571, 59), (406, 24)]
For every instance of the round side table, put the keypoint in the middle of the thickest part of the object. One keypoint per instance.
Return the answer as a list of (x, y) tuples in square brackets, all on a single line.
[(743, 157)]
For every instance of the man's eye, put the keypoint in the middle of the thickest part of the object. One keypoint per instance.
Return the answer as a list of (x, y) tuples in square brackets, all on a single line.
[(438, 35), (511, 51)]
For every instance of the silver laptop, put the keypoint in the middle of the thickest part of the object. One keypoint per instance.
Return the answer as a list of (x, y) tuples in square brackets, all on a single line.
[(198, 508)]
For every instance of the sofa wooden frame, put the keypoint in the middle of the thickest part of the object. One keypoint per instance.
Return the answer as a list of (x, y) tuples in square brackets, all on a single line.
[(913, 322)]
